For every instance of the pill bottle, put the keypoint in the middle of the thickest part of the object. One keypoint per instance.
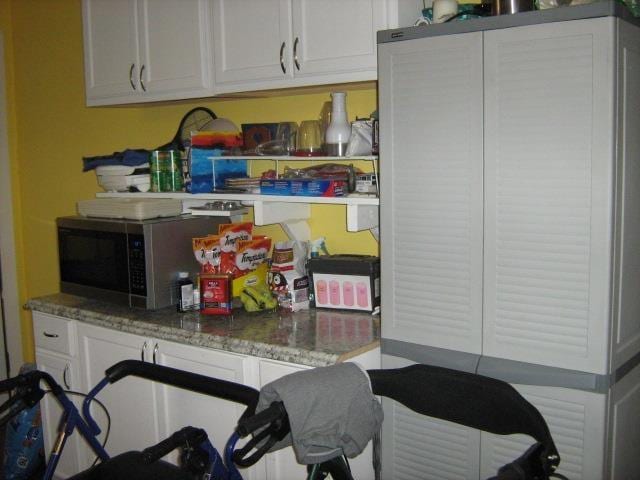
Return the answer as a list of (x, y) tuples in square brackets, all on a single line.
[(185, 292)]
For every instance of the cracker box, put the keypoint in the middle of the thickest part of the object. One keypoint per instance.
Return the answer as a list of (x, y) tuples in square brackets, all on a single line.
[(350, 282)]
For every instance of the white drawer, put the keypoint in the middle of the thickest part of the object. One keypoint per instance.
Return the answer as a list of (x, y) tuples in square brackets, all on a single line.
[(55, 334)]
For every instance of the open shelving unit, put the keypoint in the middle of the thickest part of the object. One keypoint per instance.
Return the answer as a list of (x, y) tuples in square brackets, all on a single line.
[(290, 211)]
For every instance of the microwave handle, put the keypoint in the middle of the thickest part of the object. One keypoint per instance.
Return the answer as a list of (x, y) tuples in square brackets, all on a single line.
[(143, 350)]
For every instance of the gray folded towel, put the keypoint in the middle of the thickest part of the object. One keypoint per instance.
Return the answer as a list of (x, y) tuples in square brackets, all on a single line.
[(332, 411)]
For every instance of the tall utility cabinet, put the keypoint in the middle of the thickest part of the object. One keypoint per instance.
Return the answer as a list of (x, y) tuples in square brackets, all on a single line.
[(510, 230)]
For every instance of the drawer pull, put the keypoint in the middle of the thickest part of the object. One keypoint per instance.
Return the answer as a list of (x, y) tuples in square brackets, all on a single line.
[(143, 350), (50, 335), (155, 353), (64, 376)]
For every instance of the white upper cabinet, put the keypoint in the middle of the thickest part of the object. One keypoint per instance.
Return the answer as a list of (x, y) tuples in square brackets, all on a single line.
[(263, 44), (143, 50), (252, 42)]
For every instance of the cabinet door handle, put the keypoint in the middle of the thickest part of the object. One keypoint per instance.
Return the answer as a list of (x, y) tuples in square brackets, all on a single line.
[(284, 70), (50, 335), (295, 53), (143, 350), (144, 89), (64, 376), (133, 85), (155, 353)]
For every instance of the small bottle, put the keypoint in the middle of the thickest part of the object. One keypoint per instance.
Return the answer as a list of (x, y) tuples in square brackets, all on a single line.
[(339, 130), (185, 292)]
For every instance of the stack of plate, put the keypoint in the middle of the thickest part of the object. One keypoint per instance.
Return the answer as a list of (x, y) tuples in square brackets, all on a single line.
[(117, 178)]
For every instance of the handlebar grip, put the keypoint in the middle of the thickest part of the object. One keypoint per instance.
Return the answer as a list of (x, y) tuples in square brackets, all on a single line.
[(189, 381), (190, 435), (274, 412)]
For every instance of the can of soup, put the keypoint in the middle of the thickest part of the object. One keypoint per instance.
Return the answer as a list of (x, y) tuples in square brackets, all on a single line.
[(166, 171)]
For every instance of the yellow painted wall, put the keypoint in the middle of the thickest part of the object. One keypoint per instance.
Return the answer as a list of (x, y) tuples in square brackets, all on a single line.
[(55, 130)]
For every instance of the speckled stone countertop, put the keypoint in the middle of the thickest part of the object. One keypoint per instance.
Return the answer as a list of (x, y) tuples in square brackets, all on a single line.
[(309, 337)]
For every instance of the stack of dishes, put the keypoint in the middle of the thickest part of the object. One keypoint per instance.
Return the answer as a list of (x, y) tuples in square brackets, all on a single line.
[(117, 178)]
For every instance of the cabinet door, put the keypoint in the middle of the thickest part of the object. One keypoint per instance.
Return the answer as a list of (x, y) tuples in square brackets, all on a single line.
[(334, 37), (179, 408), (175, 59), (131, 401), (416, 446), (431, 212), (549, 150), (576, 420), (282, 464), (252, 43), (64, 370), (110, 49)]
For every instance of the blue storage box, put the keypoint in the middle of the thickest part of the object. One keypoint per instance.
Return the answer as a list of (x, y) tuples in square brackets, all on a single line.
[(208, 174)]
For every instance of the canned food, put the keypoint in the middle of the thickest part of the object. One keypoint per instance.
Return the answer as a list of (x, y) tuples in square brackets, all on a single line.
[(166, 171)]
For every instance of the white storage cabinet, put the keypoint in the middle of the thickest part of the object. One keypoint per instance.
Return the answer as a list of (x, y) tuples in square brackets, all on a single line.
[(507, 202), (146, 50)]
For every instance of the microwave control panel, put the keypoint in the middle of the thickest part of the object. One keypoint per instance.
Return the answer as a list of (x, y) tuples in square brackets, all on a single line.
[(137, 271)]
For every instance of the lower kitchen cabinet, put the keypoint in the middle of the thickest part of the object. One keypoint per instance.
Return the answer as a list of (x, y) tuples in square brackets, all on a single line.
[(144, 412), (56, 355), (179, 408), (131, 402), (282, 464), (65, 372)]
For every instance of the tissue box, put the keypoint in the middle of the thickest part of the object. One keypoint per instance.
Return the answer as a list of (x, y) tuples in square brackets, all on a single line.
[(208, 174), (350, 282)]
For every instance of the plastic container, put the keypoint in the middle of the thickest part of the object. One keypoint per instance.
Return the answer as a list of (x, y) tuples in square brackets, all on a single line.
[(339, 130), (185, 292)]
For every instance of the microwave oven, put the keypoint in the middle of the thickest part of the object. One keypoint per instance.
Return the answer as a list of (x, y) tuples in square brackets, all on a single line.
[(130, 262)]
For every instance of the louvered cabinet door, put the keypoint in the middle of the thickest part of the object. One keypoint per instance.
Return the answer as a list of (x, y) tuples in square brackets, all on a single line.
[(576, 420), (415, 446), (549, 146), (431, 190)]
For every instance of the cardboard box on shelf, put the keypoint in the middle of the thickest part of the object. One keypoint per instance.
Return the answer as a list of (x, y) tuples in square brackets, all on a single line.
[(304, 187)]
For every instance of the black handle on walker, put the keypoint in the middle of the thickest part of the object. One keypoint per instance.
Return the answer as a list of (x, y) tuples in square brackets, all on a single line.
[(274, 423), (27, 390), (185, 436), (215, 387), (273, 413)]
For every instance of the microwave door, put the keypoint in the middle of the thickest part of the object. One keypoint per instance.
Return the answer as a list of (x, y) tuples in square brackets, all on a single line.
[(94, 263)]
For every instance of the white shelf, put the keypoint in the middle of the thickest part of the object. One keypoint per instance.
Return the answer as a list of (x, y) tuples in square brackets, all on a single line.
[(293, 158), (245, 198), (291, 211)]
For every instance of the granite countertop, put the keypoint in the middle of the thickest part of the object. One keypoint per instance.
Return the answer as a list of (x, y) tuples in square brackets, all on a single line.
[(309, 337)]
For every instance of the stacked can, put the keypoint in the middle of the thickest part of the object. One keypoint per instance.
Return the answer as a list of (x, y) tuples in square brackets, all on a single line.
[(166, 171)]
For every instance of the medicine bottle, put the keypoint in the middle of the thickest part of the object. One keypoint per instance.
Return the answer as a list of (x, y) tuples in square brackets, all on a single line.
[(185, 292)]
